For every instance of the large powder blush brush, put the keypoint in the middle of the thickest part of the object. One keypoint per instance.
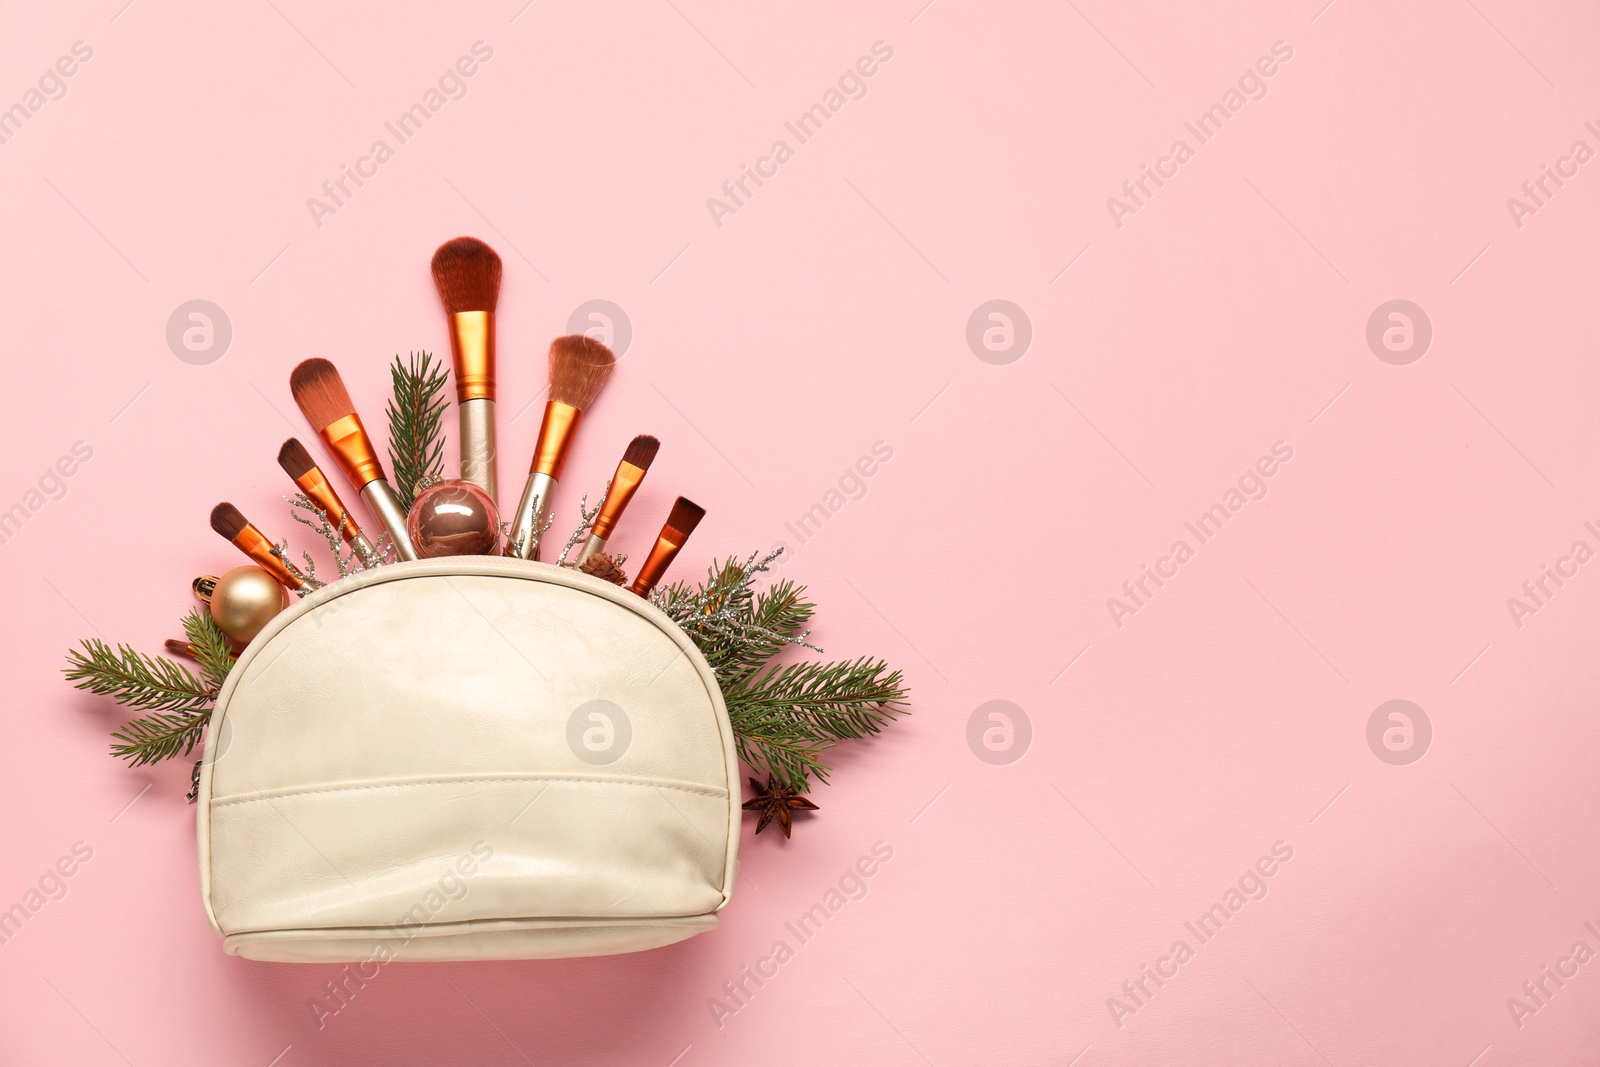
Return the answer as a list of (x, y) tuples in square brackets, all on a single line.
[(686, 515), (630, 474), (579, 368), (231, 524), (325, 402), (467, 274), (298, 464)]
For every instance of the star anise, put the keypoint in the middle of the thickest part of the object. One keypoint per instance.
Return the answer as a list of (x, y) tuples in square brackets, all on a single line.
[(776, 801)]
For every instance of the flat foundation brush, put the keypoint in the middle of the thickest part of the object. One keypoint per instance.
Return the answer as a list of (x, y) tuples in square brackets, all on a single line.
[(579, 367), (686, 515), (230, 522), (467, 274), (630, 474), (325, 402), (298, 464)]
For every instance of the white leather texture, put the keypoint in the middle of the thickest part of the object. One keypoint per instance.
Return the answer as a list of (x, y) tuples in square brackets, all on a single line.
[(467, 758)]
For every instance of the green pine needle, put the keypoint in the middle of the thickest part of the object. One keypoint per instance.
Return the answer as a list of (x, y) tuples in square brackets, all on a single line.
[(159, 736), (211, 648), (776, 614), (416, 435), (130, 677), (178, 702), (784, 717)]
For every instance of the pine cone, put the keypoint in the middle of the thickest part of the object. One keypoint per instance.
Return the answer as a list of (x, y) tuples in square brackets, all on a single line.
[(603, 565)]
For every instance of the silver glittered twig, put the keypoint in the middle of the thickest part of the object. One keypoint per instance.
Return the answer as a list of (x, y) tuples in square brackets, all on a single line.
[(343, 558), (585, 524)]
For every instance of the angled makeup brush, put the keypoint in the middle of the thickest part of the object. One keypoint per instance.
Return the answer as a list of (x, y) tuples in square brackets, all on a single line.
[(686, 515), (467, 274), (579, 367), (230, 522), (298, 464), (325, 402), (630, 473)]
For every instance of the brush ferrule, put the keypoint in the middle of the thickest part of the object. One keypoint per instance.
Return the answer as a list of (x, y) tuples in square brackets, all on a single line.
[(380, 497), (656, 564), (623, 485), (253, 543), (314, 484), (472, 350), (591, 548), (351, 446), (477, 445), (528, 525), (555, 436), (365, 551)]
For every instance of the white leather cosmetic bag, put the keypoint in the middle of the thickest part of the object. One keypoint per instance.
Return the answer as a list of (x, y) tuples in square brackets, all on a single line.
[(467, 758)]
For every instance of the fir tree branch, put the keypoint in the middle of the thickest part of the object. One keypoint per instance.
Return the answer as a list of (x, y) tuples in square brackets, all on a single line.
[(178, 701), (790, 760), (784, 717), (159, 736), (826, 702), (785, 720), (135, 679), (732, 627), (212, 649), (777, 615), (416, 411)]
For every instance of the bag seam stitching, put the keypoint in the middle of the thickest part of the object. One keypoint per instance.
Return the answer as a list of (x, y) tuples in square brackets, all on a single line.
[(566, 922), (705, 791)]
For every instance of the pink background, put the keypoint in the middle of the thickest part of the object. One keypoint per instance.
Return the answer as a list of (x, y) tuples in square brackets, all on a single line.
[(830, 312)]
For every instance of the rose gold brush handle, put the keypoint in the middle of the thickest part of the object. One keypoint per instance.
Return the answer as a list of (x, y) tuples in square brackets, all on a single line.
[(477, 446), (380, 497)]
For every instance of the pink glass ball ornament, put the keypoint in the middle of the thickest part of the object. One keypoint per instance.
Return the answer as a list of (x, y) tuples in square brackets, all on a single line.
[(454, 518)]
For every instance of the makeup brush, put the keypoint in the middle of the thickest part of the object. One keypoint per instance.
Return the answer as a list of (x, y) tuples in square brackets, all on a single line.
[(467, 274), (187, 650), (686, 515), (230, 522), (298, 464), (325, 402), (630, 473), (579, 367)]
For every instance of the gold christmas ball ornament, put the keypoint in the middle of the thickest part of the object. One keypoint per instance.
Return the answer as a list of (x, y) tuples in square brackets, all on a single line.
[(245, 600)]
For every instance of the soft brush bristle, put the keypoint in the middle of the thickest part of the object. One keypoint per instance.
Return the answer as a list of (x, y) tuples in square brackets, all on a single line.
[(320, 392), (579, 367), (294, 459), (228, 520), (686, 515), (642, 451), (467, 274)]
